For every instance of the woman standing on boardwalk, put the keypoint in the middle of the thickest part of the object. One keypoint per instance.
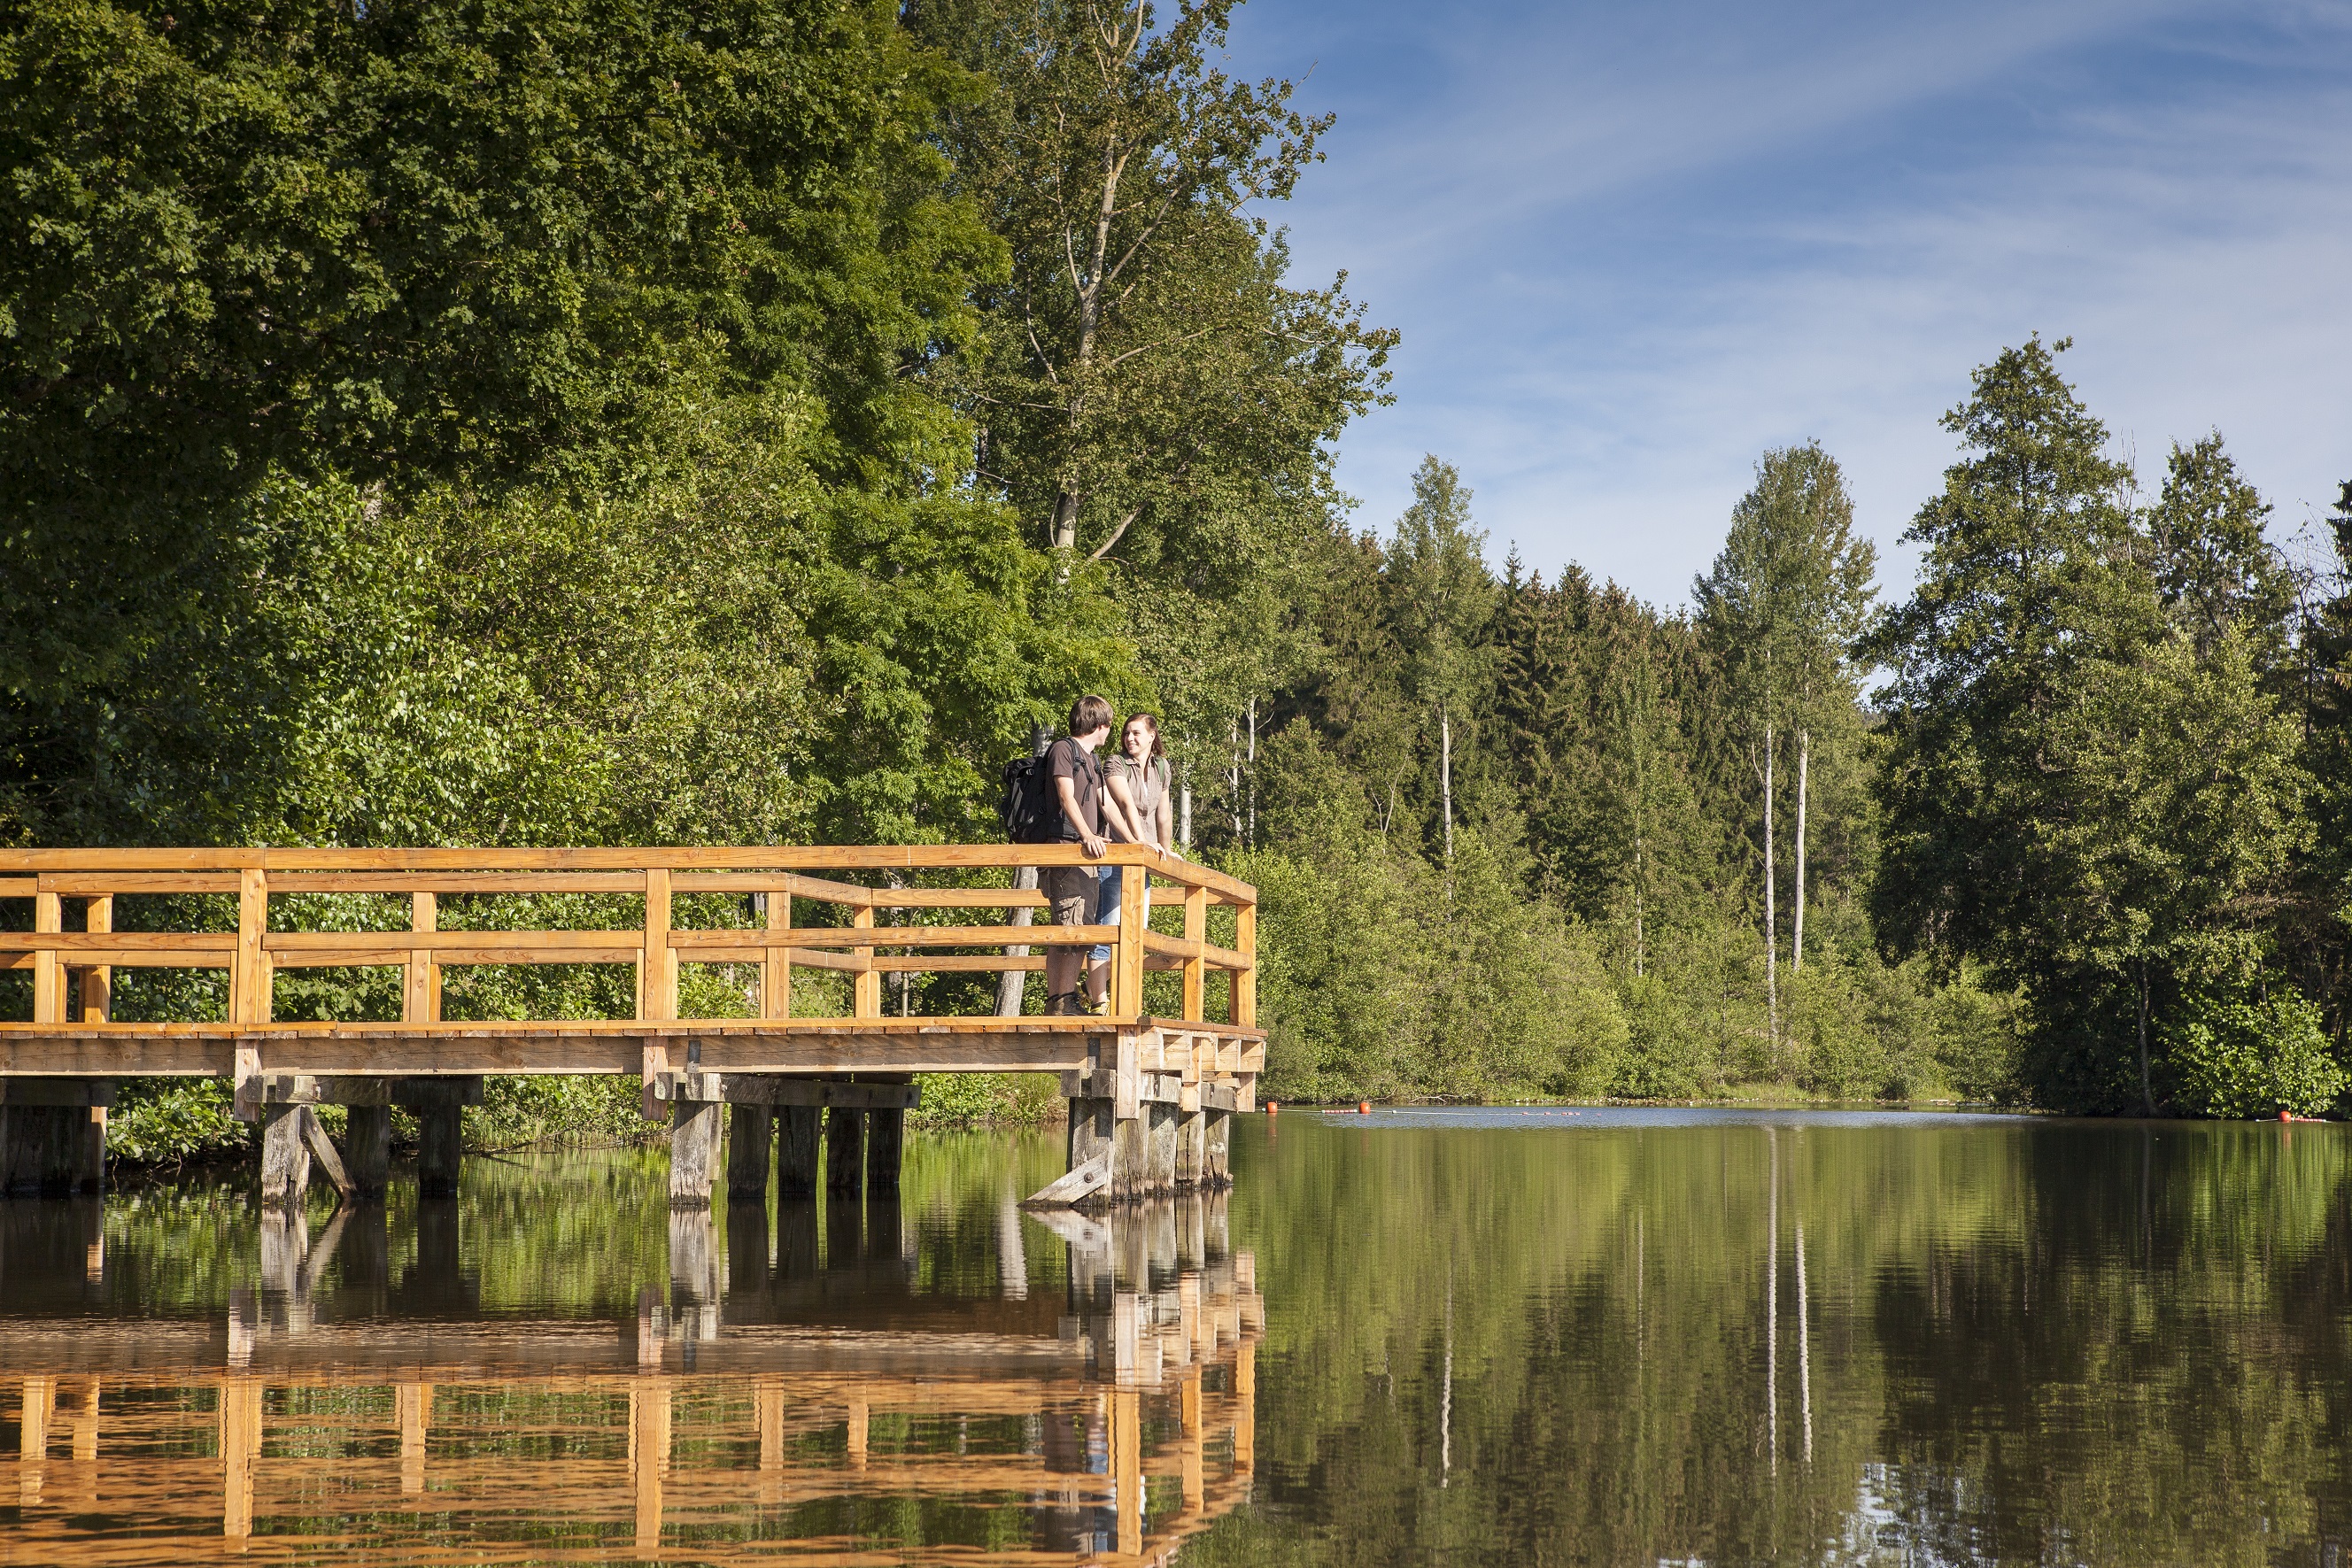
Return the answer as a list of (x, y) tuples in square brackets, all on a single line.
[(1136, 780)]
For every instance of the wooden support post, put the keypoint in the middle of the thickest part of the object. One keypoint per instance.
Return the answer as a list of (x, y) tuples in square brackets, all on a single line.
[(797, 1128), (285, 1157), (1160, 1152), (1245, 979), (660, 1000), (751, 1139), (1216, 1170), (693, 1152), (776, 974), (48, 968), (844, 1152), (420, 991), (1130, 1159), (868, 983), (438, 1105), (98, 981), (1196, 968), (1126, 1000), (367, 1148), (885, 1135), (1191, 1148), (52, 1136), (440, 1149), (249, 980)]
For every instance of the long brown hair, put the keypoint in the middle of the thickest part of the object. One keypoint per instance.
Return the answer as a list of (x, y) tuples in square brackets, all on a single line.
[(1157, 753)]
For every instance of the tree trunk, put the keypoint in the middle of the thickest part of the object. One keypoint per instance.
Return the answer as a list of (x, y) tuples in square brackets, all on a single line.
[(1771, 916), (1446, 775), (1251, 840), (1797, 938), (2146, 1091)]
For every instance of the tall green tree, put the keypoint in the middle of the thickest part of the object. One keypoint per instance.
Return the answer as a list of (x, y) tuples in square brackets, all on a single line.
[(1782, 605), (2080, 790), (1441, 599), (1149, 390), (249, 253)]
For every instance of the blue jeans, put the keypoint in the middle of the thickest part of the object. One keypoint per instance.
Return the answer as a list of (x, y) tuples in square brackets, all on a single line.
[(1110, 889), (1110, 886)]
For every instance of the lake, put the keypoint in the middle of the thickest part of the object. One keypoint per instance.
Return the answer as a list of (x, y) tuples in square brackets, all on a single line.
[(1553, 1335)]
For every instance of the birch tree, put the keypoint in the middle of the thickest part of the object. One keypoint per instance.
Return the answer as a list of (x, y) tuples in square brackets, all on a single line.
[(1444, 597)]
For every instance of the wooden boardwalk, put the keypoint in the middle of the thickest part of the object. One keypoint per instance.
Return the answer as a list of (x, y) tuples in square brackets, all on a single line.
[(1150, 1093)]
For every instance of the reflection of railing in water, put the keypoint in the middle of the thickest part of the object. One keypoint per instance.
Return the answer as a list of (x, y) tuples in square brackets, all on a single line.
[(1115, 1421)]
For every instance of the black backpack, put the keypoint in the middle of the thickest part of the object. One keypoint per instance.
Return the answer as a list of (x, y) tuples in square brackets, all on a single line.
[(1029, 809)]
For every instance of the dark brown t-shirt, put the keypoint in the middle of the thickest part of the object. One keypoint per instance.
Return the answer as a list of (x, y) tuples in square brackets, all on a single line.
[(1068, 759)]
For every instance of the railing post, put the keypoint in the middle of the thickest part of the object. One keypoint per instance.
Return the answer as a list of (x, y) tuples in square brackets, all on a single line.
[(249, 981), (658, 1003), (1128, 1000), (420, 997), (1246, 978), (776, 975), (96, 1003), (869, 986), (1196, 968), (49, 964)]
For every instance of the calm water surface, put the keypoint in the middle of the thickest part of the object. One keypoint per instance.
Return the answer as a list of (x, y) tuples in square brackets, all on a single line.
[(1556, 1336)]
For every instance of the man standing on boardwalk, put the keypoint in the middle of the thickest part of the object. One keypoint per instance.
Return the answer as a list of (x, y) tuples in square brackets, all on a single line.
[(1071, 889)]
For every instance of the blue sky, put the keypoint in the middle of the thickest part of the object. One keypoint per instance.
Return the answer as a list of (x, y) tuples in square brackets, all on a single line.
[(1631, 246)]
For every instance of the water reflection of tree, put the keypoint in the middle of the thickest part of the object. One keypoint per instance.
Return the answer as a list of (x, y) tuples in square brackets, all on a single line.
[(2048, 1339)]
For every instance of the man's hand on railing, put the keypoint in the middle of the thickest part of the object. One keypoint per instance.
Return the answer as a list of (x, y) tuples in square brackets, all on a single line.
[(1094, 845)]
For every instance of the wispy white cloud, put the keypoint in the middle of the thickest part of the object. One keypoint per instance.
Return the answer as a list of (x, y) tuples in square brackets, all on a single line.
[(1625, 264)]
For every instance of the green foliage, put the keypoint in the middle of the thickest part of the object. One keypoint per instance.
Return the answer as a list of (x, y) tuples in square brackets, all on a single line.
[(962, 1100), (174, 1121), (2239, 1056)]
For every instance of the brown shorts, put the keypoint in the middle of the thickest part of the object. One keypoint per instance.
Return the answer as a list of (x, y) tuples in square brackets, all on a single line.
[(1071, 889)]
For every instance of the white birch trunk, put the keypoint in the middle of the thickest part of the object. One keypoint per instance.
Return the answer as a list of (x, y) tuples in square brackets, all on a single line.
[(1446, 775), (1772, 915), (1797, 936)]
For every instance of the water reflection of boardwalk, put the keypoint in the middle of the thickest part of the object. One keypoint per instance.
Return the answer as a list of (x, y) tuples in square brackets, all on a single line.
[(767, 1410)]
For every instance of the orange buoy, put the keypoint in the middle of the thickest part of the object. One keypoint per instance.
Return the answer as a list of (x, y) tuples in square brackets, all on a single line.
[(1271, 1107), (1363, 1107), (2286, 1116)]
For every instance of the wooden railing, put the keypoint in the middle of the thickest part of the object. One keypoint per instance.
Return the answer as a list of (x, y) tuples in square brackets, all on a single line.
[(73, 968)]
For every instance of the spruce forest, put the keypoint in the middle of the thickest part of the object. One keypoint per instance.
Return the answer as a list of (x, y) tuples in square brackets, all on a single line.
[(557, 421)]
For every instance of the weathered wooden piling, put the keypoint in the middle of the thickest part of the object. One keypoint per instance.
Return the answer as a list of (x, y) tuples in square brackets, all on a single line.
[(886, 1138), (844, 1152), (53, 1135), (751, 1139), (367, 1150), (694, 1136), (798, 1131), (285, 1156)]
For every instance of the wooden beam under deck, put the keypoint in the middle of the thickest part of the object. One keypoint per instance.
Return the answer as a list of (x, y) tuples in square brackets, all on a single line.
[(409, 1049)]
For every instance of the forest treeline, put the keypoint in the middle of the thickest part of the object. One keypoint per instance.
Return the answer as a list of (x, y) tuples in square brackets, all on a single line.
[(557, 421)]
